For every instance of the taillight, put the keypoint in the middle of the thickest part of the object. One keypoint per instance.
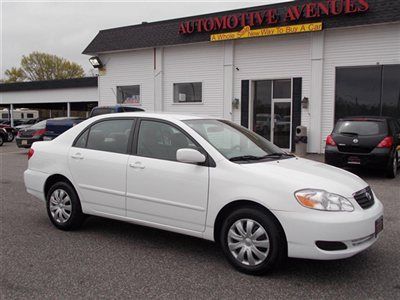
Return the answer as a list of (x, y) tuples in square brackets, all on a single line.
[(387, 142), (18, 133), (39, 132), (330, 141), (30, 153)]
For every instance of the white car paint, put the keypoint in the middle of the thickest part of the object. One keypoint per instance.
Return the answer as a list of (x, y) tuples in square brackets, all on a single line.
[(187, 198)]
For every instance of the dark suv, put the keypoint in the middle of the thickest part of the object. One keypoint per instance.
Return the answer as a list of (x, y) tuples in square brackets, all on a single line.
[(372, 142), (101, 110)]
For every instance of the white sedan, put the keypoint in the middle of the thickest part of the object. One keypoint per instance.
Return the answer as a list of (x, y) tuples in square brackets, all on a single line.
[(207, 178)]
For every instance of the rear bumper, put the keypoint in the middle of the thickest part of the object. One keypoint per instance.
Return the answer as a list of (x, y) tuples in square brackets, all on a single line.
[(354, 229), (25, 142), (378, 158), (34, 183)]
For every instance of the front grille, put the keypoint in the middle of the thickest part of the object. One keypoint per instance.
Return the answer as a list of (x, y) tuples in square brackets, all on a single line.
[(354, 149), (365, 198)]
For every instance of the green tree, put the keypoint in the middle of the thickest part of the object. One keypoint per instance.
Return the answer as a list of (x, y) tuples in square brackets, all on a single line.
[(43, 66)]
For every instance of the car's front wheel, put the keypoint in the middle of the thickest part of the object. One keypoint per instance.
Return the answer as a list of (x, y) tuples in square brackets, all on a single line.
[(63, 207), (252, 241)]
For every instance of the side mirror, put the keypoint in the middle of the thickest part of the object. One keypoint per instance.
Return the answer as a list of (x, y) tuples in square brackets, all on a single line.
[(187, 155)]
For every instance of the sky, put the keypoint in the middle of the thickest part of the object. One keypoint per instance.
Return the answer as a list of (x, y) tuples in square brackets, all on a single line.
[(65, 28)]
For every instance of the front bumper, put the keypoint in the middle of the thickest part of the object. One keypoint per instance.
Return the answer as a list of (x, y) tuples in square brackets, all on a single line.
[(355, 229), (378, 158)]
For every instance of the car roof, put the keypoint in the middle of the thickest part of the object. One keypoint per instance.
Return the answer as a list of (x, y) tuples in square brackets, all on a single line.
[(366, 118), (162, 116)]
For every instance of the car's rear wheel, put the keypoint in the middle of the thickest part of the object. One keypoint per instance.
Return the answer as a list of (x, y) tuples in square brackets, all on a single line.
[(252, 241), (1, 140), (391, 171), (10, 137), (63, 207)]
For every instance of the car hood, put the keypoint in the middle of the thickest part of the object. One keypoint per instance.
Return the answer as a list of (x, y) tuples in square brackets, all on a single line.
[(299, 173)]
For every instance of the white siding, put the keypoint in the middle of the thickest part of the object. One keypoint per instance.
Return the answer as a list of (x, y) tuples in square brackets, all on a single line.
[(360, 46), (87, 94), (128, 68), (273, 58), (201, 62)]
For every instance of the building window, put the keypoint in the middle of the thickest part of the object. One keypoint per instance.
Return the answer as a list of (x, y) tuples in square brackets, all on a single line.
[(282, 89), (371, 91), (29, 116), (188, 92), (128, 94)]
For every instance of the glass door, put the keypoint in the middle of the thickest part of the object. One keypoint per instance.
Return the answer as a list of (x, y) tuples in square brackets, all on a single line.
[(272, 111), (282, 124)]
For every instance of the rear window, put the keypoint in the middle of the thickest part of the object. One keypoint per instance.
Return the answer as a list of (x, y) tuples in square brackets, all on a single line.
[(361, 127), (40, 125)]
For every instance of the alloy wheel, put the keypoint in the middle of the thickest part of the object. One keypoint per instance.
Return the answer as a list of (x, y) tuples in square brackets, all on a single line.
[(60, 206), (248, 242)]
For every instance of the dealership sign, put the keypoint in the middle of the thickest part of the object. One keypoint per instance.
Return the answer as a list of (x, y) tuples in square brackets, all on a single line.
[(248, 33), (272, 17)]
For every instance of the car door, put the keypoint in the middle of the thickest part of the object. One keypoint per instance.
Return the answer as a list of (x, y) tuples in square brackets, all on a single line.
[(160, 189), (98, 161)]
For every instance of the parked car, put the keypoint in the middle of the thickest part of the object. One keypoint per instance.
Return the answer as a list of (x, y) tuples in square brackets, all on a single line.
[(27, 123), (44, 131), (3, 136), (11, 132), (208, 178), (55, 127), (372, 142), (101, 110)]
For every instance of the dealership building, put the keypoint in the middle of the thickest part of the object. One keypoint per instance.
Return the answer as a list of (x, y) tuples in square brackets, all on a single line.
[(270, 68)]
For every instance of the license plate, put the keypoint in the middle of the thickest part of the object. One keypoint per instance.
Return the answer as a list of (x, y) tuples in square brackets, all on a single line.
[(354, 160), (378, 226), (24, 142)]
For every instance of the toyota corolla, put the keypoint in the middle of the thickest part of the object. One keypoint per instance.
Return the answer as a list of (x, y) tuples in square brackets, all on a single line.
[(207, 178)]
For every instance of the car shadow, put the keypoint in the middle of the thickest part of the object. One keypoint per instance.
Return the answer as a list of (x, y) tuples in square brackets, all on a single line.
[(203, 250)]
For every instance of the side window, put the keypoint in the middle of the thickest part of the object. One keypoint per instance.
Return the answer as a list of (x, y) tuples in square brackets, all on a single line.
[(160, 140), (81, 142), (110, 136)]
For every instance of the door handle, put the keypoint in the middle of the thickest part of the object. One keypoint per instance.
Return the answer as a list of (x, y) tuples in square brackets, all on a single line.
[(77, 156), (137, 165)]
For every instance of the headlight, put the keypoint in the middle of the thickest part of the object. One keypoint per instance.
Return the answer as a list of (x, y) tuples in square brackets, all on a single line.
[(322, 200)]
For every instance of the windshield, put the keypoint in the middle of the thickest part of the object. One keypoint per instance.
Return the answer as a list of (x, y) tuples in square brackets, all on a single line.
[(364, 128), (234, 142)]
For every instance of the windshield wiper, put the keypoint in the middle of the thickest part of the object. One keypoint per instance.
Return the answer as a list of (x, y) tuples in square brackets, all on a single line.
[(246, 157), (252, 157), (278, 154)]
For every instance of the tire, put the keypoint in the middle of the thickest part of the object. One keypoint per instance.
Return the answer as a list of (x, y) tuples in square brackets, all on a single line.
[(1, 140), (392, 168), (10, 137), (253, 262), (63, 207)]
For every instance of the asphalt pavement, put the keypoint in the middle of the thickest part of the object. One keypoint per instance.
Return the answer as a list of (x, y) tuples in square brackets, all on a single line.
[(108, 259)]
